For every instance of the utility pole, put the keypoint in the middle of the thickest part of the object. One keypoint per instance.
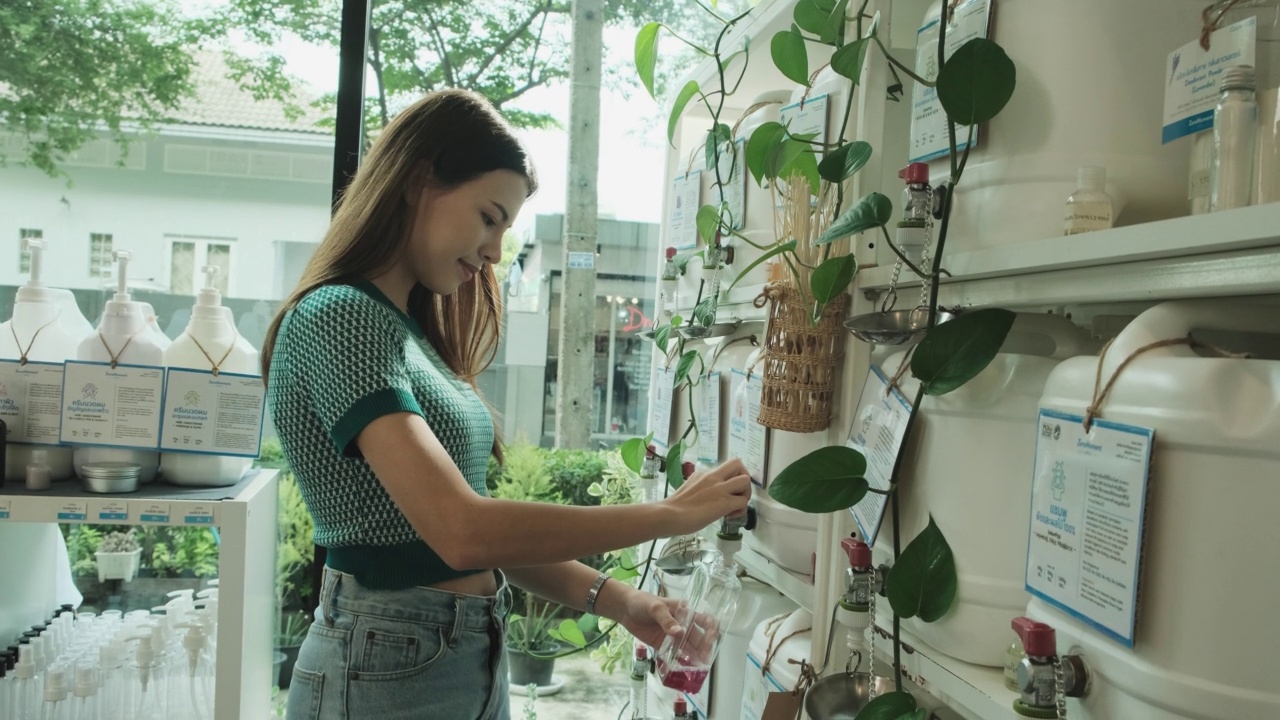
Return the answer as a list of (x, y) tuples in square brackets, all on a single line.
[(575, 374)]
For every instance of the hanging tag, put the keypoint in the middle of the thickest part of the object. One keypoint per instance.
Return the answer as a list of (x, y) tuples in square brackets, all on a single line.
[(733, 159), (1191, 76), (31, 401), (682, 224), (1088, 497), (664, 390), (877, 432), (783, 706), (213, 414), (708, 405), (929, 137), (748, 439), (113, 406)]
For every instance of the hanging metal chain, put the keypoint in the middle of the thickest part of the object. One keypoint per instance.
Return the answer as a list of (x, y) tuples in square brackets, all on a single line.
[(1058, 693), (871, 643), (924, 263), (891, 297)]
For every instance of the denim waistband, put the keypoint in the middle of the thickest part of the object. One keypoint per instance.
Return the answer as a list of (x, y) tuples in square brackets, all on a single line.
[(341, 593)]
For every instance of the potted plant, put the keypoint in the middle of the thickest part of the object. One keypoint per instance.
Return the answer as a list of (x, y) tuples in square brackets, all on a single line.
[(118, 556), (531, 649), (294, 555), (289, 637)]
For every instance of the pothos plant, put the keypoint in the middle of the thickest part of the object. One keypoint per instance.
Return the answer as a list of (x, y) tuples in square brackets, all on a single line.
[(973, 86)]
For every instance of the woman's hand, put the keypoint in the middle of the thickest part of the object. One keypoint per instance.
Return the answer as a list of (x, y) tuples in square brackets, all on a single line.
[(651, 619), (708, 496)]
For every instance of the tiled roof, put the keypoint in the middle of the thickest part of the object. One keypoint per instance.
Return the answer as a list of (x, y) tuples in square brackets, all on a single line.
[(220, 102)]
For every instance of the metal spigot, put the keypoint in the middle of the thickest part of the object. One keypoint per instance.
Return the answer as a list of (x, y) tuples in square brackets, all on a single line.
[(1046, 679), (860, 577), (731, 527)]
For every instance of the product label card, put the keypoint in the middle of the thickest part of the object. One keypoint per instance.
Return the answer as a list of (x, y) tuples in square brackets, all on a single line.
[(758, 689), (877, 432), (1087, 500), (733, 160), (682, 225), (1192, 74), (582, 260), (663, 385), (5, 507), (708, 404), (929, 137), (31, 401), (76, 510), (747, 437), (213, 415), (154, 512), (103, 510), (202, 514), (119, 406), (807, 118)]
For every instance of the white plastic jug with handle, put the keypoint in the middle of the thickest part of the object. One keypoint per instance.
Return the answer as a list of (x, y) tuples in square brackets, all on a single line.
[(1205, 633), (45, 328), (124, 336), (968, 464), (209, 342)]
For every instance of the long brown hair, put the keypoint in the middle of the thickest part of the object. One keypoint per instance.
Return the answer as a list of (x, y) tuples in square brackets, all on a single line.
[(457, 135)]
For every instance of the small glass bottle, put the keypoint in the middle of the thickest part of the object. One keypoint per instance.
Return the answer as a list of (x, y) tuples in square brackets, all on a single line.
[(1089, 208), (1012, 657), (639, 692), (668, 298), (705, 610), (1235, 138)]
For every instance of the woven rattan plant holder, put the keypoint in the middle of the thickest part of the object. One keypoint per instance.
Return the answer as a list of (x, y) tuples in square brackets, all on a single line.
[(800, 360)]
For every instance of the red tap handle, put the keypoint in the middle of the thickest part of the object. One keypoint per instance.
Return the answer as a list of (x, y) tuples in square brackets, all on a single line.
[(1037, 638), (858, 552), (916, 173)]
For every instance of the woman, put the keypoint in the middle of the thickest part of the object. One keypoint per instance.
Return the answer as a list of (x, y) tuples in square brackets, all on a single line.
[(371, 368)]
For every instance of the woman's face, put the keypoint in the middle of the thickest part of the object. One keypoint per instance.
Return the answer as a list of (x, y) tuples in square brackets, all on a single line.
[(456, 231)]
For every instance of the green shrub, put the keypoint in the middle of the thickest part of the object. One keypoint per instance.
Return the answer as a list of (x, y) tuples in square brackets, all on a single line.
[(574, 471)]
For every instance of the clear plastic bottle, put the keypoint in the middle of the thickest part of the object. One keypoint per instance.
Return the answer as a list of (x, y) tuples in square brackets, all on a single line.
[(56, 692), (1089, 208), (1235, 139), (115, 675), (28, 686), (705, 610), (669, 295), (639, 692), (85, 704)]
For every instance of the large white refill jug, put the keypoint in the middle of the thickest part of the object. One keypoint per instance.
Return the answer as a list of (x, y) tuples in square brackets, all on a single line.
[(969, 466), (1205, 632), (210, 343), (124, 336), (45, 328)]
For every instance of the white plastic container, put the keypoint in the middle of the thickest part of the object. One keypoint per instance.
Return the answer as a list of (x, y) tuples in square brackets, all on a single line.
[(210, 337), (969, 465), (784, 535), (49, 329), (1072, 108), (125, 330), (1206, 631), (835, 87), (789, 638)]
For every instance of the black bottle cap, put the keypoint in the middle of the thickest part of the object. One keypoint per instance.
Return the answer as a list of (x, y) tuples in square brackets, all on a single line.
[(13, 650)]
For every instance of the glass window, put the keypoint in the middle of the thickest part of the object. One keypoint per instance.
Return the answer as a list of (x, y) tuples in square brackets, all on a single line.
[(188, 258), (99, 255), (24, 255)]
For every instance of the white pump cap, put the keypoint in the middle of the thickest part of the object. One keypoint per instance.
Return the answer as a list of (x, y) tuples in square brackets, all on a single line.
[(209, 295), (111, 655), (36, 249), (55, 684), (86, 680), (25, 669), (121, 258)]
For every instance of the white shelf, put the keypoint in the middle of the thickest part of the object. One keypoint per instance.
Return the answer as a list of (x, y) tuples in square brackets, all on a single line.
[(797, 588), (1229, 253), (974, 691), (155, 504)]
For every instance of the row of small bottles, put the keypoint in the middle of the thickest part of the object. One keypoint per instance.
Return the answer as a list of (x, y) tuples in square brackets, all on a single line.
[(141, 665), (48, 327)]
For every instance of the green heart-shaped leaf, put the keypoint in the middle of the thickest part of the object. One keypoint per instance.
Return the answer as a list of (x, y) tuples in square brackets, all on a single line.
[(954, 352), (764, 143), (848, 60), (788, 246), (682, 99), (825, 480), (685, 365), (569, 632), (872, 211), (708, 221), (790, 56), (923, 580), (831, 279), (976, 82), (716, 138), (675, 473), (809, 17), (833, 29), (632, 452), (661, 337), (647, 54), (797, 158), (889, 706), (705, 313), (841, 164)]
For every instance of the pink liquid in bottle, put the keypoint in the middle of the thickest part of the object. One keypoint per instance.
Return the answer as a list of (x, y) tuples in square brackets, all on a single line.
[(681, 677)]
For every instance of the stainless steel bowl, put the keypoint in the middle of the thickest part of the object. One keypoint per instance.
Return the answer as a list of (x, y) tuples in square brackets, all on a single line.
[(720, 329), (893, 327), (841, 696), (111, 477)]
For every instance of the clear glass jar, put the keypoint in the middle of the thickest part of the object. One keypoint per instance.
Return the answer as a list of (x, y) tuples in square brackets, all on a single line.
[(1235, 136)]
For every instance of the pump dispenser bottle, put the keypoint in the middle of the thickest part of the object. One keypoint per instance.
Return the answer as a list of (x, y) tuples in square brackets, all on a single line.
[(45, 328), (210, 343), (124, 336)]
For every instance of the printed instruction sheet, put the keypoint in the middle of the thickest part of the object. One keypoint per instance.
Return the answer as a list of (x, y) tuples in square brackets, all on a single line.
[(119, 406), (219, 415)]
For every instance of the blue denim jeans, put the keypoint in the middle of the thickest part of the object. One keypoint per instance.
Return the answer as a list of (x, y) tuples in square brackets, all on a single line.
[(399, 654)]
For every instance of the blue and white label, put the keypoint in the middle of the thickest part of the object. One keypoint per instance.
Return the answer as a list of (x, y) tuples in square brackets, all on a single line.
[(198, 515), (708, 405), (929, 136), (111, 510), (878, 428), (1191, 76), (31, 401), (5, 507), (748, 439), (664, 392), (682, 223), (154, 512), (112, 406), (211, 414), (1087, 499), (73, 510)]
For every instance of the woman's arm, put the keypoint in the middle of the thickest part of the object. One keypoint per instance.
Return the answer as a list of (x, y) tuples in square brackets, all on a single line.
[(469, 531)]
